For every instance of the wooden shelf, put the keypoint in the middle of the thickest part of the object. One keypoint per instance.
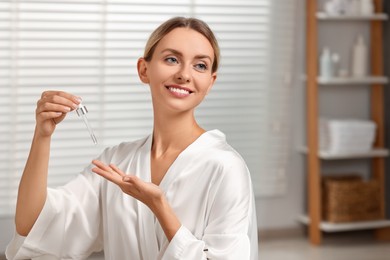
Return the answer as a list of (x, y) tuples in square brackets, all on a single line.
[(325, 155), (349, 226), (352, 80), (325, 16), (314, 20)]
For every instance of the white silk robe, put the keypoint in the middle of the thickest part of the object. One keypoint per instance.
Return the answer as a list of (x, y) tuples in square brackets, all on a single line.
[(208, 186)]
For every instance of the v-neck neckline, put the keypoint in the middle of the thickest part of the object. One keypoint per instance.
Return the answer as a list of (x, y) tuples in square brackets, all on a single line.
[(204, 140)]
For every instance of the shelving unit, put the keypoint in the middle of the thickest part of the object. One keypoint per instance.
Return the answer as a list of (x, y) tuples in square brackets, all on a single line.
[(378, 17), (325, 155), (352, 81), (340, 227), (314, 157)]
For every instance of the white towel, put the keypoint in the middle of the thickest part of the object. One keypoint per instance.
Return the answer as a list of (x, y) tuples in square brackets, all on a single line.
[(346, 135)]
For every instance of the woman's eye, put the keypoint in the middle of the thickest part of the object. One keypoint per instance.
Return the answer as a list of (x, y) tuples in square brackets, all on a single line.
[(201, 66), (171, 60)]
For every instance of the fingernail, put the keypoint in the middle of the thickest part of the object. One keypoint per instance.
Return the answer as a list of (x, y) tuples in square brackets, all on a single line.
[(126, 178)]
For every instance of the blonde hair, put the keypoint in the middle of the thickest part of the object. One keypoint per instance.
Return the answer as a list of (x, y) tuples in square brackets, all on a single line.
[(182, 22)]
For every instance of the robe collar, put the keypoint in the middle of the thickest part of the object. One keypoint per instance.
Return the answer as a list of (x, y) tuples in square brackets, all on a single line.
[(204, 141)]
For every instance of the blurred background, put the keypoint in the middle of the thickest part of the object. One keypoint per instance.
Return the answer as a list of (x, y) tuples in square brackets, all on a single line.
[(90, 48)]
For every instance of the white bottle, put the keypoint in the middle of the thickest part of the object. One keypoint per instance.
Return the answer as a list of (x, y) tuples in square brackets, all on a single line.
[(366, 7), (330, 7), (359, 58), (353, 7), (335, 64), (326, 68)]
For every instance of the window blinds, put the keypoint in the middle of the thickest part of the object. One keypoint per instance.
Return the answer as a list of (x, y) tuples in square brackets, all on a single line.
[(90, 48)]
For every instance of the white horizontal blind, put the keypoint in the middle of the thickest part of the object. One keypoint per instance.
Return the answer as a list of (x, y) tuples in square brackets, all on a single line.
[(90, 48)]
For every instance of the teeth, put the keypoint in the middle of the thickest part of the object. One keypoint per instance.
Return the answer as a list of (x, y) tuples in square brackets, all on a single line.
[(179, 90)]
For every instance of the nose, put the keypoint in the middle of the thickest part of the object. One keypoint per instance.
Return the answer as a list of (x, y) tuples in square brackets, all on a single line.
[(184, 74)]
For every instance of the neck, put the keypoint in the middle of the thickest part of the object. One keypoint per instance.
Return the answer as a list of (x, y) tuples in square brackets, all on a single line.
[(174, 133)]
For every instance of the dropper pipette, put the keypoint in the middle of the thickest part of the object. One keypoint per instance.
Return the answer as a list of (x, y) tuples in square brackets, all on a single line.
[(82, 112)]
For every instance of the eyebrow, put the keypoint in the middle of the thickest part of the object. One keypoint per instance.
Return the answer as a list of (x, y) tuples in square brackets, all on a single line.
[(178, 53)]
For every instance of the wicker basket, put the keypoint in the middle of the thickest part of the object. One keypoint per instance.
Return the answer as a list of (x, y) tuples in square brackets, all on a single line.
[(349, 198)]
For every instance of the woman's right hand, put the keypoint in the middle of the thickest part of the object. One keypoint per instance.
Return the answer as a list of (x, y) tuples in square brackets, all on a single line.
[(52, 108)]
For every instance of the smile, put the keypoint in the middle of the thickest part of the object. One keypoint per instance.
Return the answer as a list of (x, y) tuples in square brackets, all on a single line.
[(179, 91)]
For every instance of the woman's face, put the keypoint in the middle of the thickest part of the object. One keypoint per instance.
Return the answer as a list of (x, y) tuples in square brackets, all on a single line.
[(179, 73)]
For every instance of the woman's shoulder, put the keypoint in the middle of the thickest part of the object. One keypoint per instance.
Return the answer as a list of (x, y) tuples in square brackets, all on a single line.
[(221, 152), (224, 160), (229, 172)]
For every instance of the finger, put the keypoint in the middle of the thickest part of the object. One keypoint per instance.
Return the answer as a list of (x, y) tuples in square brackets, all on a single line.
[(63, 94), (52, 107), (117, 170), (102, 166), (57, 100), (50, 115), (59, 119), (111, 177), (60, 98)]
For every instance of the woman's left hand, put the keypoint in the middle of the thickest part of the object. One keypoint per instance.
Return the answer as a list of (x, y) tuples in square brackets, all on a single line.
[(146, 192)]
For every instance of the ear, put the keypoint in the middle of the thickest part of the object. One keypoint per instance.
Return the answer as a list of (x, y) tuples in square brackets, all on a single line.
[(212, 81), (142, 67)]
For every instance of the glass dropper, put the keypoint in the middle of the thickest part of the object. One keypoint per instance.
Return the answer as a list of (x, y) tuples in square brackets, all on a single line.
[(82, 112)]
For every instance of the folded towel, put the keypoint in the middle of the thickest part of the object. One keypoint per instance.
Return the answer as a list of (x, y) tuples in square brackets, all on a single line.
[(346, 135)]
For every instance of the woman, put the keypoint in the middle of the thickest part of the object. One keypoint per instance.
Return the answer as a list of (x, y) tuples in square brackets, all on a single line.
[(180, 193)]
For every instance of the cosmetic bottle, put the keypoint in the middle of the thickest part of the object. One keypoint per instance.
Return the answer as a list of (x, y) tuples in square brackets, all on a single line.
[(353, 7), (366, 7), (335, 58), (326, 68), (359, 58)]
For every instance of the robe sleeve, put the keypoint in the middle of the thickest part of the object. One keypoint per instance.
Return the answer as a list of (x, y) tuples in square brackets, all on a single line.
[(69, 211), (229, 233)]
